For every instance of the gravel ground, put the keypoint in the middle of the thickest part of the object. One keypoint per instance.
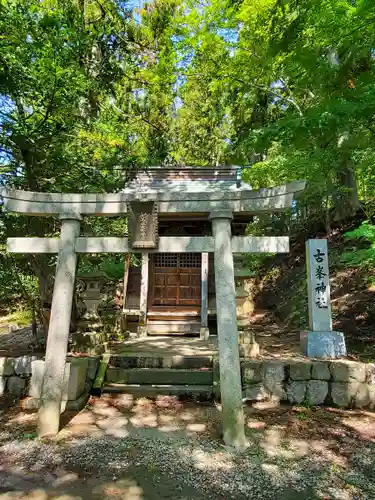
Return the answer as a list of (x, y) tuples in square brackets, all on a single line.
[(116, 449)]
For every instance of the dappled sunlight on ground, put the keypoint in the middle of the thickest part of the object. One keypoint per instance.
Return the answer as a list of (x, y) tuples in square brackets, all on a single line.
[(121, 415), (120, 447)]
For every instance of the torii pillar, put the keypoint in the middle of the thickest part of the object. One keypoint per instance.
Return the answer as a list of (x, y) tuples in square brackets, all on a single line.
[(229, 358), (58, 331)]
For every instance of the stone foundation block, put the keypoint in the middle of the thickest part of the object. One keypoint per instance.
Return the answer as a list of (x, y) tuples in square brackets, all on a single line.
[(88, 342), (345, 371), (3, 384), (36, 380), (371, 396), (252, 372), (370, 374), (204, 333), (246, 337), (115, 376), (74, 378), (22, 365), (142, 331), (323, 344), (296, 392), (300, 370), (316, 392), (92, 368), (362, 397), (256, 393), (343, 394), (77, 377), (16, 386), (320, 371), (6, 366), (249, 350), (216, 378), (276, 392), (273, 377), (273, 371), (350, 394)]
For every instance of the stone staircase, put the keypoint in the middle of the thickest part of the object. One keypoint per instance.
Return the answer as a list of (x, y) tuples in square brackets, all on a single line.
[(150, 376)]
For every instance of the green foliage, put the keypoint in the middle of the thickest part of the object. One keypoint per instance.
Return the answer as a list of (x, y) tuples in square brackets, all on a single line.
[(19, 288), (91, 91), (361, 257)]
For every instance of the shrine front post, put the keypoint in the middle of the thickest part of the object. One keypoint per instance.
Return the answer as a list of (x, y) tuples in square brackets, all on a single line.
[(58, 331), (230, 371)]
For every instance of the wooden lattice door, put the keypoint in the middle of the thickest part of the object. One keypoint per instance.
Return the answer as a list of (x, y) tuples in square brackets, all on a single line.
[(176, 279)]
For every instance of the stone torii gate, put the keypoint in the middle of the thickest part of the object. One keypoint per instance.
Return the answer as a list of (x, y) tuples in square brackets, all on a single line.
[(219, 205)]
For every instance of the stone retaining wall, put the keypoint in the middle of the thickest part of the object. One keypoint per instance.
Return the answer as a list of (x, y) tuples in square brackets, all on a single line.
[(341, 383), (22, 376)]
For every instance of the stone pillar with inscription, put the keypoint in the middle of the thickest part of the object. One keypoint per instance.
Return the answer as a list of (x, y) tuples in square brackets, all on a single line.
[(320, 341)]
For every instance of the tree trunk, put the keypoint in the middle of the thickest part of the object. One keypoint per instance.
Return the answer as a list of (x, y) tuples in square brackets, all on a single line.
[(346, 200)]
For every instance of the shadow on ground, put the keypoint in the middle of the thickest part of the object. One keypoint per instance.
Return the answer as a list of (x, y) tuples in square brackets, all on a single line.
[(118, 447)]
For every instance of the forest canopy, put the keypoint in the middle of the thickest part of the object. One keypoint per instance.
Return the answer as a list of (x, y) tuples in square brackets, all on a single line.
[(91, 90)]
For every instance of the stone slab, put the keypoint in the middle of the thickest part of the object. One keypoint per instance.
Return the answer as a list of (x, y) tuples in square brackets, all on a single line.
[(343, 394), (371, 395), (256, 392), (296, 391), (371, 373), (204, 333), (249, 350), (300, 370), (316, 392), (6, 366), (93, 365), (22, 365), (273, 377), (79, 403), (74, 380), (345, 371), (274, 371), (216, 378), (36, 380), (328, 345), (320, 370), (3, 384), (362, 397), (16, 386), (252, 372), (77, 377)]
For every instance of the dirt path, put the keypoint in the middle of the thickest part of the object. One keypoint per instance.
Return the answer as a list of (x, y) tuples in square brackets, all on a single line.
[(120, 448)]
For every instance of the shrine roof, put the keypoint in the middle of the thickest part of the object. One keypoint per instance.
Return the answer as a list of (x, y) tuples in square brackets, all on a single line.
[(188, 179)]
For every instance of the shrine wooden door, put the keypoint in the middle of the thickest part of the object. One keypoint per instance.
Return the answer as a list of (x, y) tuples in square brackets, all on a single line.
[(175, 280)]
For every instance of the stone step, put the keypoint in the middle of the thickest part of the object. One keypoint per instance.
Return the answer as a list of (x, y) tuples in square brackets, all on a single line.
[(158, 376), (126, 361), (173, 327), (194, 391)]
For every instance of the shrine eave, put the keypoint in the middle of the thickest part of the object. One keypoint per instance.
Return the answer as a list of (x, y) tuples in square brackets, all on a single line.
[(242, 200)]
